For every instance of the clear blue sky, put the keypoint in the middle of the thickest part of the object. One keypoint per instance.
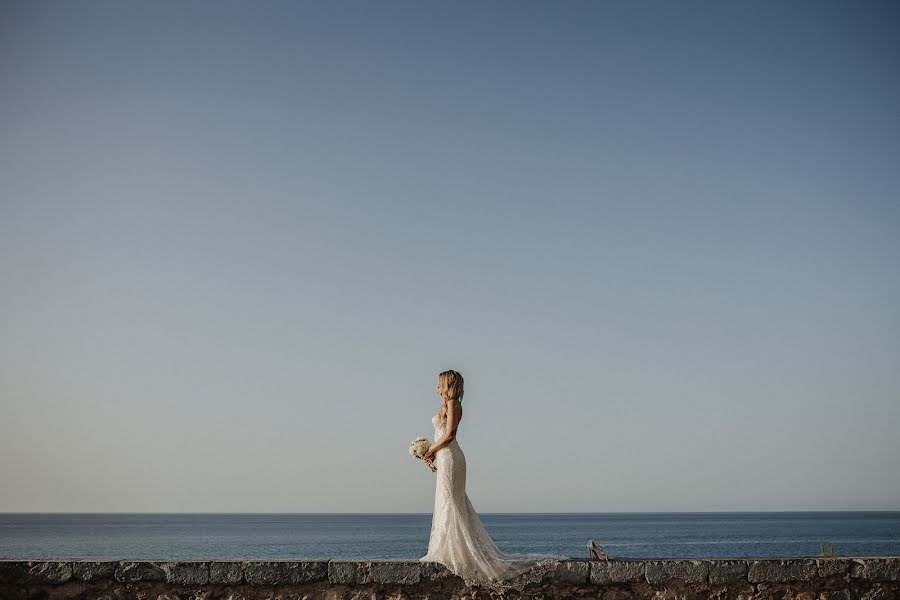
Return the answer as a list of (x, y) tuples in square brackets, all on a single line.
[(239, 241)]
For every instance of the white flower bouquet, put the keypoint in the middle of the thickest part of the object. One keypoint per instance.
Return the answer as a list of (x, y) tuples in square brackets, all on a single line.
[(419, 447)]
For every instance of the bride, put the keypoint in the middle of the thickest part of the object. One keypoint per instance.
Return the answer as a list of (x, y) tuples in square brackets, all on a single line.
[(458, 539)]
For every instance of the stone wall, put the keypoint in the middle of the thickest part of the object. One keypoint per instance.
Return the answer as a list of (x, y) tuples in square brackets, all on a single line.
[(820, 578)]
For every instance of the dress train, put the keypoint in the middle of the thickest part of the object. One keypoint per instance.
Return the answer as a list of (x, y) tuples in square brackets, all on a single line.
[(459, 540)]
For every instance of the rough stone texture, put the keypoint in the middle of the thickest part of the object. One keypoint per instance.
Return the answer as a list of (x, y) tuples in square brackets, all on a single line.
[(35, 571), (396, 571), (48, 572), (824, 578), (689, 571), (284, 571), (139, 571), (781, 570), (348, 571), (617, 571), (88, 570), (228, 572), (186, 573), (432, 571), (727, 571), (875, 569), (625, 571), (572, 571), (877, 593), (842, 594), (830, 567)]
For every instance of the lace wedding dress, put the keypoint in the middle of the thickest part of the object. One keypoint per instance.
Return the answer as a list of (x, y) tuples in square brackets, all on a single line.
[(459, 540)]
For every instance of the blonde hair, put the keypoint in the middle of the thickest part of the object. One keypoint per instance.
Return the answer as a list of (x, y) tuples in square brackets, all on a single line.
[(451, 384)]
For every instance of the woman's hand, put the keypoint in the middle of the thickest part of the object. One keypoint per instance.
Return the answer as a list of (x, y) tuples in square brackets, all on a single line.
[(428, 457)]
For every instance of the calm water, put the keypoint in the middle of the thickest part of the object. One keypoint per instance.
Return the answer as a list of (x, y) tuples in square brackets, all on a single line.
[(353, 535)]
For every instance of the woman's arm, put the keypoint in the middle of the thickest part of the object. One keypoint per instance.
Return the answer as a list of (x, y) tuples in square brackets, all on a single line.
[(449, 430)]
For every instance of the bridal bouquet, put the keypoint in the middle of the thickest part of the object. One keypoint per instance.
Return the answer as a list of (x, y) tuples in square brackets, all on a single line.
[(419, 447)]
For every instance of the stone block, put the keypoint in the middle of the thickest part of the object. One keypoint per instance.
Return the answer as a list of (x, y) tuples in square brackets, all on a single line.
[(727, 571), (571, 571), (89, 570), (395, 571), (617, 571), (310, 570), (35, 571), (875, 568), (877, 593), (129, 571), (271, 572), (52, 571), (351, 572), (186, 572), (599, 572), (781, 570), (841, 594), (690, 571), (229, 572), (830, 567)]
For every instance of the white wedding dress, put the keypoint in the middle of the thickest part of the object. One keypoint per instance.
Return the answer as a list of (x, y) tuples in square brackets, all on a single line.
[(459, 540)]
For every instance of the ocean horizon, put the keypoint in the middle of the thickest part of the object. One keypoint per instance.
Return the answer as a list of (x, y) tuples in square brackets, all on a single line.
[(381, 535)]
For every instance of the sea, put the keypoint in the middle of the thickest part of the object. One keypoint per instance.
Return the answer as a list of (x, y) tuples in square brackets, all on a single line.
[(186, 536)]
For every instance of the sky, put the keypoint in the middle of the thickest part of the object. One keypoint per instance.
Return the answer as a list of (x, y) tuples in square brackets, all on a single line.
[(240, 240)]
